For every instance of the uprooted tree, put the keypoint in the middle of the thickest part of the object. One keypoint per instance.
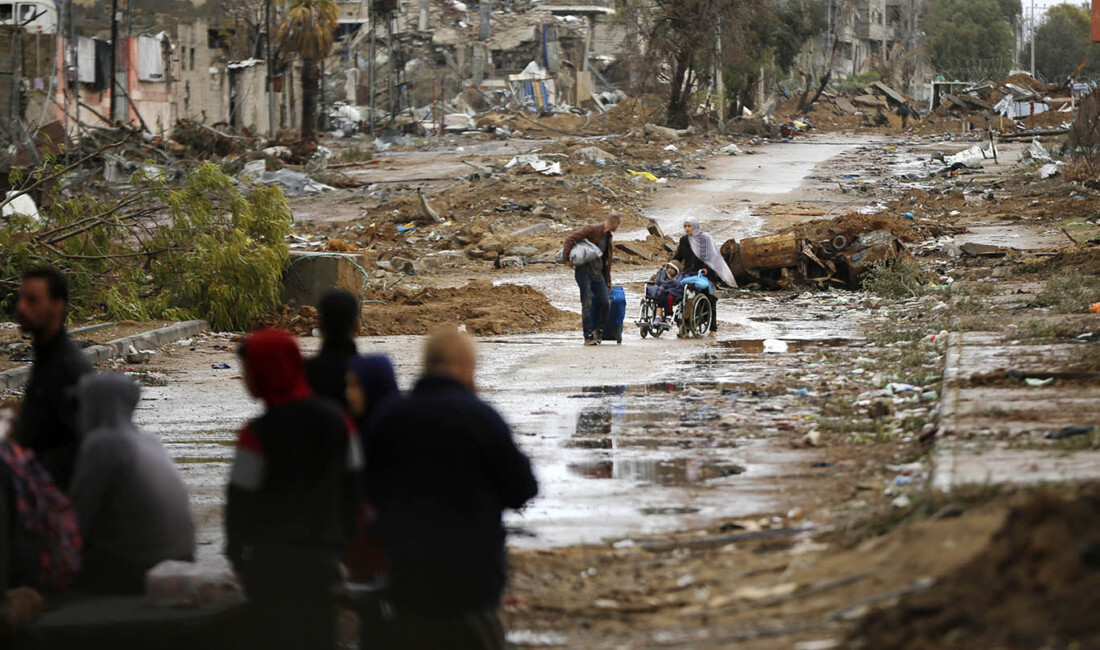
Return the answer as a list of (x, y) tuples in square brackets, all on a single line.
[(208, 248)]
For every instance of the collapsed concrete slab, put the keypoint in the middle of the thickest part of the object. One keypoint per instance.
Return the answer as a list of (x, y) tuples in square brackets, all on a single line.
[(309, 275)]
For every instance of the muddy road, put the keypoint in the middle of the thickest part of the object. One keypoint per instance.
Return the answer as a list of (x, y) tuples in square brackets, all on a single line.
[(626, 440)]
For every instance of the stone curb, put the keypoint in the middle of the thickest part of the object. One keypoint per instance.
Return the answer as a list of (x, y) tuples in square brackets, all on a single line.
[(943, 459), (16, 377)]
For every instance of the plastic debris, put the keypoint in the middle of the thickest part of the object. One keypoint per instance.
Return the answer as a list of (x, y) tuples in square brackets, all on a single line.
[(775, 346), (220, 366), (1048, 171), (671, 147), (645, 175), (731, 150), (1038, 383)]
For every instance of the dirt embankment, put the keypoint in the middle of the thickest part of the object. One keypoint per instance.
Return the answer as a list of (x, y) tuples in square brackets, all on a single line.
[(1036, 585), (482, 308)]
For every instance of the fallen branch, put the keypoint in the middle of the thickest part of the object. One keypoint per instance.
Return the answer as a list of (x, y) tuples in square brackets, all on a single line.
[(59, 173), (427, 209)]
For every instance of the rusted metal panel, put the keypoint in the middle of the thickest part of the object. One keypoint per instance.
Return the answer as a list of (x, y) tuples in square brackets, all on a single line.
[(770, 252), (871, 247)]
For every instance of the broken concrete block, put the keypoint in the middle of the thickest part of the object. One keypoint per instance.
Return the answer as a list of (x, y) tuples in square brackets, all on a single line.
[(309, 275), (655, 229), (531, 230), (594, 155), (491, 244), (407, 266), (522, 251)]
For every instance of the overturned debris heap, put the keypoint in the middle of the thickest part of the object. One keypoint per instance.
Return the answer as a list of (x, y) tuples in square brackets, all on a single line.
[(790, 258)]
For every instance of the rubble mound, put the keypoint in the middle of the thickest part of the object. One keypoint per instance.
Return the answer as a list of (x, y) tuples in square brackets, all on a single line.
[(483, 308), (1036, 585), (854, 224)]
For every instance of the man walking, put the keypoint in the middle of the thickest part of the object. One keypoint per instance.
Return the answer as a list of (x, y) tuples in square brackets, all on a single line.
[(47, 418), (326, 372), (441, 467), (594, 277)]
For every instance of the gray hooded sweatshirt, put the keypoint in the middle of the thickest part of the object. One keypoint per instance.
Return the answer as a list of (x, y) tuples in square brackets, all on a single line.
[(128, 496)]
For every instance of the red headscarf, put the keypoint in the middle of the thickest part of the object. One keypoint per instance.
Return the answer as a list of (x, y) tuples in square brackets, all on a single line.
[(275, 366)]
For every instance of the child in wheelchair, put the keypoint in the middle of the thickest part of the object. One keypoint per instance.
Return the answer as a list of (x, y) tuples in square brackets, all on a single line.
[(665, 291)]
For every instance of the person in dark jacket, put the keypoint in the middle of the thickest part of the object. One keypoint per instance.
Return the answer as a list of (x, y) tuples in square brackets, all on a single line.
[(594, 278), (291, 499), (339, 312), (697, 253), (129, 498), (47, 417), (665, 290), (441, 468)]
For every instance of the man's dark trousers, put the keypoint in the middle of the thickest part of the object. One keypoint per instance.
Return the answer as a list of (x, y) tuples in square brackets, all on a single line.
[(595, 302)]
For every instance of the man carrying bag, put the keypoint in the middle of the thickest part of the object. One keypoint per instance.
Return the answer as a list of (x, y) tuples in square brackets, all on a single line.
[(588, 252)]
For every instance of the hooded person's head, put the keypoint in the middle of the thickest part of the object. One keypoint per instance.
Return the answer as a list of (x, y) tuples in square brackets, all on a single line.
[(106, 403), (370, 380), (672, 269), (273, 367)]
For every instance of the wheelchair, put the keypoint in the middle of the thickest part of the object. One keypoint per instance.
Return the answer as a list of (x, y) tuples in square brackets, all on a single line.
[(691, 314)]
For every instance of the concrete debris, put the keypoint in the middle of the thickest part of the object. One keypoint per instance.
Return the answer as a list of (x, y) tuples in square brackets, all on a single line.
[(594, 155), (293, 183), (667, 133)]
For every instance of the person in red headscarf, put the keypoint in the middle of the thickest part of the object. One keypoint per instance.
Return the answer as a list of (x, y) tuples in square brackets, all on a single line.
[(291, 498)]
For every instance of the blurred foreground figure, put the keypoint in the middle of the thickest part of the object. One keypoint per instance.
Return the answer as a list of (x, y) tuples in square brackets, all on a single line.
[(441, 468), (291, 499), (47, 417), (129, 498), (339, 313)]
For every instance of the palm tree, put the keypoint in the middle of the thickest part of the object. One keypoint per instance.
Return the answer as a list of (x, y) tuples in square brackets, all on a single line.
[(309, 29)]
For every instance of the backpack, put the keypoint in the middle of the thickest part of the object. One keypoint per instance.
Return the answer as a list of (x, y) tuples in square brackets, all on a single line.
[(46, 540)]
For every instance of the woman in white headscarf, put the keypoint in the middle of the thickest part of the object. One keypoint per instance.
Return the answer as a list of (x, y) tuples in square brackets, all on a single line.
[(697, 253)]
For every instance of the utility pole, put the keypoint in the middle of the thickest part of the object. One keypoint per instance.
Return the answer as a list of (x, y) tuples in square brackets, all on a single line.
[(1031, 35), (485, 8), (270, 74), (370, 73), (114, 59)]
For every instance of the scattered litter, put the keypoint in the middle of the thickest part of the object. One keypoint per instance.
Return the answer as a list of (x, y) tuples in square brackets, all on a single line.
[(1032, 381), (1048, 171), (775, 346), (645, 175), (185, 342), (901, 502), (1070, 432), (220, 366), (731, 150), (1035, 152), (671, 147)]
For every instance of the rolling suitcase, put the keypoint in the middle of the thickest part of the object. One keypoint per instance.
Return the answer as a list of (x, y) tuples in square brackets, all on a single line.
[(616, 314)]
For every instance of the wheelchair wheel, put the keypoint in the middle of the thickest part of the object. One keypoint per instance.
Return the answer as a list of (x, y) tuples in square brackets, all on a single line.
[(700, 316)]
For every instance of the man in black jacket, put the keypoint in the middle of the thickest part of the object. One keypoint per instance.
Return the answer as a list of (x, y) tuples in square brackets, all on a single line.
[(441, 467), (326, 372), (47, 417)]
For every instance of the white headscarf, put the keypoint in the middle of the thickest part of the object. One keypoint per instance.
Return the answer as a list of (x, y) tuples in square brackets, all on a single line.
[(702, 244)]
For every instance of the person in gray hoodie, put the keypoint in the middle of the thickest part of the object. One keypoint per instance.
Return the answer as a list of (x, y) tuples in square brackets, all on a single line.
[(129, 498)]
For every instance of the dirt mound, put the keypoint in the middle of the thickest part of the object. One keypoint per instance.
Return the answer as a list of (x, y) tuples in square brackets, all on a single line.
[(483, 308), (1036, 585), (297, 321)]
